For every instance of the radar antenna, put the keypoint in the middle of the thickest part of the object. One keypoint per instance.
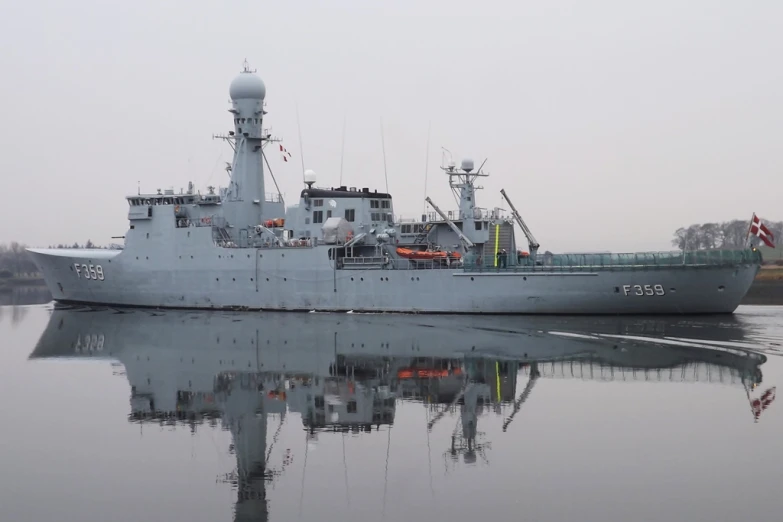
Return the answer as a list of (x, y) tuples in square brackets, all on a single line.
[(246, 67)]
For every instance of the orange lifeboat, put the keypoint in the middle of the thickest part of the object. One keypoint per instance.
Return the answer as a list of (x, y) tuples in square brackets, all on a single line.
[(426, 255), (274, 223)]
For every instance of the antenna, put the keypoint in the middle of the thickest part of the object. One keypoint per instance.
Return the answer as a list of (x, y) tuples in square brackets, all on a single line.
[(426, 165), (246, 67), (301, 149), (383, 147), (342, 152)]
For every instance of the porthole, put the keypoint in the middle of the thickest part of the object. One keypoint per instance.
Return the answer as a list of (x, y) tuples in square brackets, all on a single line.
[(470, 278)]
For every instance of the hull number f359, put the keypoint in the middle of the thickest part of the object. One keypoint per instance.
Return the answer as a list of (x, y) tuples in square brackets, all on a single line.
[(643, 290), (88, 271)]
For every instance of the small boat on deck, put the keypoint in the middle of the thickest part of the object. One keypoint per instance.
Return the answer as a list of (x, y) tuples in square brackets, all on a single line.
[(427, 255)]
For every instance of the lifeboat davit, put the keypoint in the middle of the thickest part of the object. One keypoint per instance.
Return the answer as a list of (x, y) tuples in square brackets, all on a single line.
[(426, 255)]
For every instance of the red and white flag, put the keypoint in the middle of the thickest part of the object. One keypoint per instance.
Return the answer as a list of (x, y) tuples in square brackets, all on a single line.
[(284, 153), (757, 228)]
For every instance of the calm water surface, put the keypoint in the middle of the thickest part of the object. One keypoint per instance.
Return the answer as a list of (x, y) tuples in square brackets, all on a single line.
[(139, 415)]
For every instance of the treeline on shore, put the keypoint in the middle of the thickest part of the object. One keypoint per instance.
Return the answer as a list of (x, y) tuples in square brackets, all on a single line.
[(15, 262), (727, 235)]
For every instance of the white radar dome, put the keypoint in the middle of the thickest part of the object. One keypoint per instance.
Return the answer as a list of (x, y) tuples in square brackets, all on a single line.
[(247, 86), (467, 165), (309, 176)]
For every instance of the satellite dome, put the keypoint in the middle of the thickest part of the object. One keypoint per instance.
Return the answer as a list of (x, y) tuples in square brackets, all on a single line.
[(247, 86)]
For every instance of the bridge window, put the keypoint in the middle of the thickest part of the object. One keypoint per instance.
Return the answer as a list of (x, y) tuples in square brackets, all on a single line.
[(374, 203), (328, 214), (350, 214), (318, 202), (318, 216), (385, 203)]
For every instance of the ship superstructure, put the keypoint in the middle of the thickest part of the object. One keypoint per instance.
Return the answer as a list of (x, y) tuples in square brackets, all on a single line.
[(343, 248)]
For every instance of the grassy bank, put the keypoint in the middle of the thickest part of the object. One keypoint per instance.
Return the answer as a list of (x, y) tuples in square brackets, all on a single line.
[(772, 273)]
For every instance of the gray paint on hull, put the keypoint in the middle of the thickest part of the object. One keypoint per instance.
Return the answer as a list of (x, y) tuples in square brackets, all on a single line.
[(211, 277)]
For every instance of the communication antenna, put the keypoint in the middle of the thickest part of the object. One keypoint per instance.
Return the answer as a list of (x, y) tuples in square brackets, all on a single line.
[(301, 149), (342, 152), (426, 165), (383, 148)]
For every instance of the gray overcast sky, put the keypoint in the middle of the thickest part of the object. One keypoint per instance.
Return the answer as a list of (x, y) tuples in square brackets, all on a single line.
[(609, 123)]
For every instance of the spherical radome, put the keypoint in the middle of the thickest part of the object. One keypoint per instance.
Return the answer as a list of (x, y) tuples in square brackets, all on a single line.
[(247, 86)]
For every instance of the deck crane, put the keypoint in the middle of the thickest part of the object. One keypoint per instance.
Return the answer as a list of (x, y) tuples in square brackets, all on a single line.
[(531, 241)]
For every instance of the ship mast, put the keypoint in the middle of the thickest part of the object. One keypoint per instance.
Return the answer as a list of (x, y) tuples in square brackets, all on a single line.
[(244, 200)]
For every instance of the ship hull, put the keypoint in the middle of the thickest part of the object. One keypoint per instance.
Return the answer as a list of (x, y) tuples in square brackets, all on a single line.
[(302, 279)]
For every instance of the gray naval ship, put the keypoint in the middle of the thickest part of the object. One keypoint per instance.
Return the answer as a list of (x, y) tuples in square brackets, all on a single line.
[(342, 249)]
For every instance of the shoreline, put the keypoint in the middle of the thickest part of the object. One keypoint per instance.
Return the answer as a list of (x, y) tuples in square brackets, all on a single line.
[(7, 285)]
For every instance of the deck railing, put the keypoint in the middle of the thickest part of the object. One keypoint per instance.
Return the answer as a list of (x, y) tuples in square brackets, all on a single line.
[(631, 261)]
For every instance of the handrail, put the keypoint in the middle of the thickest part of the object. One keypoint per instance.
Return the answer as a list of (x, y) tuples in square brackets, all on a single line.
[(619, 261)]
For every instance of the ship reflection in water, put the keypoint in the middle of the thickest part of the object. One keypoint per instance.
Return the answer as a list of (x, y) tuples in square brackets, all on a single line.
[(349, 373)]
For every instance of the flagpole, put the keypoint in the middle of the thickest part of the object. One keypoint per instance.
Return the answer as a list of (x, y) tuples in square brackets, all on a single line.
[(747, 236)]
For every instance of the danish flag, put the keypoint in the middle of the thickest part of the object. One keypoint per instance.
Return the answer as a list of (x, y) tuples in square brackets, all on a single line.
[(284, 153), (757, 228)]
